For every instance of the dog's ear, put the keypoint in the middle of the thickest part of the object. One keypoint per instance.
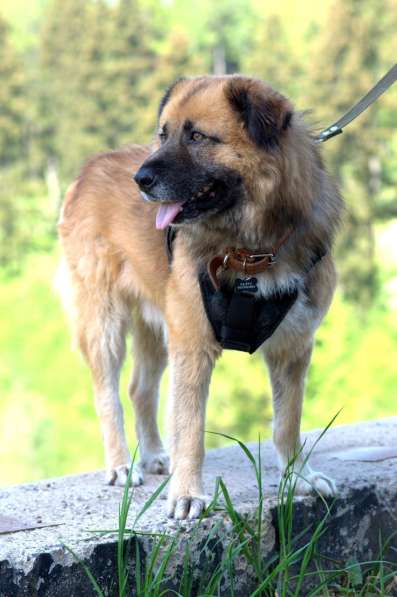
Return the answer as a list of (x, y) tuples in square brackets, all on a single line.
[(165, 99), (265, 113)]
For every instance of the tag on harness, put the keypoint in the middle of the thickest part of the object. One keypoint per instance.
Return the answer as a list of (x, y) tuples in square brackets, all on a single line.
[(247, 285)]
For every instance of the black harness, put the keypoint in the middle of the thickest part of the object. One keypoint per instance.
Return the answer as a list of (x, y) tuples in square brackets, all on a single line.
[(241, 320)]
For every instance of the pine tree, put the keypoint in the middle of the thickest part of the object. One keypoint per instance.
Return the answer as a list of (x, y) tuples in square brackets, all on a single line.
[(12, 101), (272, 58), (356, 48), (175, 59), (72, 54), (13, 107), (230, 26), (130, 62), (96, 59)]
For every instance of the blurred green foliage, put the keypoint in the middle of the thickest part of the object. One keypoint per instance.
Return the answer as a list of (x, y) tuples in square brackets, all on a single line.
[(80, 77), (48, 423), (361, 41)]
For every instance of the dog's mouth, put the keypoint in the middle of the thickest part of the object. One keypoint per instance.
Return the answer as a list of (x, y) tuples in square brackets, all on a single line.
[(210, 197), (166, 214)]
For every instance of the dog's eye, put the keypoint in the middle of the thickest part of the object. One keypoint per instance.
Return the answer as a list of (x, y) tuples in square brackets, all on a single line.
[(163, 136), (196, 136)]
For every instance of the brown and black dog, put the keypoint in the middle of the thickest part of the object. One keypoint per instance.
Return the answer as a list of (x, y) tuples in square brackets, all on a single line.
[(233, 166)]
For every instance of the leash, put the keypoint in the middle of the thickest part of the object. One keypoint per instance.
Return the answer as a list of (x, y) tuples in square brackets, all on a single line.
[(364, 103)]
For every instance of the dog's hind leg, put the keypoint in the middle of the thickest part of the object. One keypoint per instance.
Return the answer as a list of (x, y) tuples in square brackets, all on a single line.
[(287, 373), (150, 359), (102, 322)]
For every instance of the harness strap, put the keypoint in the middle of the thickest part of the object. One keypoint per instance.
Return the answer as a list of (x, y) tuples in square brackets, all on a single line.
[(170, 235), (240, 321), (368, 99)]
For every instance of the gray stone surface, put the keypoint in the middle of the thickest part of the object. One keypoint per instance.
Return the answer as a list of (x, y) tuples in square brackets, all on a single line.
[(361, 458)]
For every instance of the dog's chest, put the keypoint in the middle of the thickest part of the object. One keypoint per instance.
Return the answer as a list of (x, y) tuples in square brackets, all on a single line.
[(245, 311)]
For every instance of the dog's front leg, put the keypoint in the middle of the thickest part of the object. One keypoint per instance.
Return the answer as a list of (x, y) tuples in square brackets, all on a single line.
[(190, 373), (287, 372)]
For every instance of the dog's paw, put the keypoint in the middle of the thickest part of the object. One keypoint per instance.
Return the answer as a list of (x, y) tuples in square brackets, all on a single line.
[(185, 507), (156, 464), (309, 481), (119, 475)]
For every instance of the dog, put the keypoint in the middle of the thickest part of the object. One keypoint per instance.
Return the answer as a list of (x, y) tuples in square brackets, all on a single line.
[(236, 175)]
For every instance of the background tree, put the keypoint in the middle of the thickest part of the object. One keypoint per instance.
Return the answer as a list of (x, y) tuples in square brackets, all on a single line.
[(273, 59), (130, 62), (13, 101), (351, 54), (13, 151), (176, 59), (72, 52), (229, 31)]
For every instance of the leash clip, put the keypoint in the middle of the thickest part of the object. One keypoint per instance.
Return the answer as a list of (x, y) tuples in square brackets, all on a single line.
[(328, 133)]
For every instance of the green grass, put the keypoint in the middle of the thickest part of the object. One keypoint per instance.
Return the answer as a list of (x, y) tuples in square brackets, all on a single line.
[(296, 567)]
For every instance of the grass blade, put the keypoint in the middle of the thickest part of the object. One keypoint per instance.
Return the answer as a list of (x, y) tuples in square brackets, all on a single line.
[(88, 572), (150, 501)]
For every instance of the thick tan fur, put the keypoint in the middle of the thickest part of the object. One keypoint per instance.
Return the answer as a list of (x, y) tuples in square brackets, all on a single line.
[(115, 277)]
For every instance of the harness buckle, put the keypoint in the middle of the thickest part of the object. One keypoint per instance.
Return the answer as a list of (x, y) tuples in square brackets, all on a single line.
[(271, 257), (256, 255)]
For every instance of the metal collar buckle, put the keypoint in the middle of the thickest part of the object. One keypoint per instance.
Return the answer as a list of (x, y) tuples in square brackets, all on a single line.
[(271, 256)]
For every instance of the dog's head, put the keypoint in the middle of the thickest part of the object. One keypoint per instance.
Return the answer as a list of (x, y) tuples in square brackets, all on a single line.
[(217, 137)]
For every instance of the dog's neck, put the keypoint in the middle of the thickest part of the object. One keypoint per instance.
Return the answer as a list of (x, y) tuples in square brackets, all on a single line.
[(256, 232), (261, 230)]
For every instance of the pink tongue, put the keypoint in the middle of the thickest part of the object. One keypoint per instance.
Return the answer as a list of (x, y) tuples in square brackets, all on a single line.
[(167, 214)]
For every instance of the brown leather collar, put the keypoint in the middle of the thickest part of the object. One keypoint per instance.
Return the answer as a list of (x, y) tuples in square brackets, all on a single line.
[(244, 261)]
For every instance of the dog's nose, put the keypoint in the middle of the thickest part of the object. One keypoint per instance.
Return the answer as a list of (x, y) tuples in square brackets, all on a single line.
[(145, 177)]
